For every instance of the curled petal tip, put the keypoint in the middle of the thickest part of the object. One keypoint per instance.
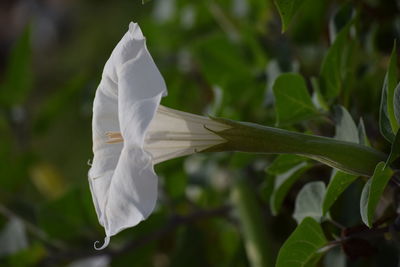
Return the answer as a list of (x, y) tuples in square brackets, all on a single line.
[(106, 242), (135, 31)]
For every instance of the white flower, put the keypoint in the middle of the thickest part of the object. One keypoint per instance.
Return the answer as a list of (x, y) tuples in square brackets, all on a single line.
[(132, 132)]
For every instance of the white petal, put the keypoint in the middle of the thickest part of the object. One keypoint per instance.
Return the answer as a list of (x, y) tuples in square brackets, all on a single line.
[(122, 180), (133, 191), (105, 118), (99, 188)]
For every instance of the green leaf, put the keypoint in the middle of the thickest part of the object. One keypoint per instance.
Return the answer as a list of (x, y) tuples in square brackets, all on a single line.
[(396, 103), (64, 218), (395, 150), (346, 129), (338, 183), (58, 103), (254, 231), (31, 256), (287, 9), (292, 100), (207, 51), (176, 185), (281, 165), (388, 123), (384, 122), (391, 86), (335, 65), (267, 187), (18, 74), (317, 97), (341, 16), (230, 238), (309, 202), (284, 162), (372, 192), (190, 239), (283, 183), (311, 20), (302, 246), (362, 134)]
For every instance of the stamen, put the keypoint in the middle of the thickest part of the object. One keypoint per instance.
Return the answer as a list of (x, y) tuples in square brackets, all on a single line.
[(114, 137)]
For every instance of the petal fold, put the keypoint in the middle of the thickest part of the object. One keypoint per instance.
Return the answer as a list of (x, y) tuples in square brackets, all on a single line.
[(122, 180)]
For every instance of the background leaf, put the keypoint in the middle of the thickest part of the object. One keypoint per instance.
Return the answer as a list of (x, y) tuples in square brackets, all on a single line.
[(346, 129), (384, 122), (338, 183), (18, 75), (66, 217), (388, 124), (284, 162), (372, 192), (317, 97), (283, 183), (48, 180), (395, 150), (391, 86), (362, 134), (309, 202), (335, 65), (255, 236), (302, 245), (287, 9), (31, 256), (176, 186), (292, 100), (58, 103), (396, 103)]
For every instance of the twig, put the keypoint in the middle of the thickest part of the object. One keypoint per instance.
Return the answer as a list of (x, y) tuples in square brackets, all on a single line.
[(224, 22), (363, 234), (33, 229), (172, 224), (337, 224), (395, 178)]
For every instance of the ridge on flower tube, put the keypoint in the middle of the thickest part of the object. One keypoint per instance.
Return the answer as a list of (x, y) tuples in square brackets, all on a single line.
[(174, 133)]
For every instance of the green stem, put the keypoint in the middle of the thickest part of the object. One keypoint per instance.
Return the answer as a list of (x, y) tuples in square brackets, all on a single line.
[(348, 157)]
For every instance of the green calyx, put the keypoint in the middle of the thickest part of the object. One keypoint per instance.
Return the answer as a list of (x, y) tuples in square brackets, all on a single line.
[(253, 138)]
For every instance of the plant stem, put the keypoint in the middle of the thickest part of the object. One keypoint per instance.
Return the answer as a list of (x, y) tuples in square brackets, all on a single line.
[(346, 156)]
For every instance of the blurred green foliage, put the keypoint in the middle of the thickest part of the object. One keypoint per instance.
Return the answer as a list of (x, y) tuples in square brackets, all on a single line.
[(220, 58)]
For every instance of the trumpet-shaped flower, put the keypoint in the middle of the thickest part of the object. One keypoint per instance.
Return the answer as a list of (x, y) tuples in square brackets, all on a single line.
[(132, 132)]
